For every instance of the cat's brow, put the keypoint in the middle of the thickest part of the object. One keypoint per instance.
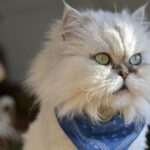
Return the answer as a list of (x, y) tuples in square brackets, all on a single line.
[(71, 55)]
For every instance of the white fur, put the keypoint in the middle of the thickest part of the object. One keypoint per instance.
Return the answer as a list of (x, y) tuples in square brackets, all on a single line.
[(65, 76), (7, 130)]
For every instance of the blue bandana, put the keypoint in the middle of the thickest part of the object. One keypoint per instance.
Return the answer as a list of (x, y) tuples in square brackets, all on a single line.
[(112, 135)]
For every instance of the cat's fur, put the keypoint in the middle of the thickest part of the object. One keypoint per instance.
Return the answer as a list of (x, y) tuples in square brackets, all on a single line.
[(8, 134), (64, 75)]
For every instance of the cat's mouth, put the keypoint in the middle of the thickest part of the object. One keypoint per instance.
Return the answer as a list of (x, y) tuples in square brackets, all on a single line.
[(123, 88)]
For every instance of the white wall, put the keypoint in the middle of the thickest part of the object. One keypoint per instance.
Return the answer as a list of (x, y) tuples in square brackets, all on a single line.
[(24, 24)]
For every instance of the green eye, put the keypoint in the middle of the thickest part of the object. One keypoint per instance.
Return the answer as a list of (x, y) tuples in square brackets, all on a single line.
[(102, 58), (135, 59)]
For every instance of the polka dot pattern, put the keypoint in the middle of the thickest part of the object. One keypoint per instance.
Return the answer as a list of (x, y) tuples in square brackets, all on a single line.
[(112, 135)]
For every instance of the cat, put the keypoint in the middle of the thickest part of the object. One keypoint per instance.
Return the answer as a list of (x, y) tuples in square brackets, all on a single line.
[(95, 63)]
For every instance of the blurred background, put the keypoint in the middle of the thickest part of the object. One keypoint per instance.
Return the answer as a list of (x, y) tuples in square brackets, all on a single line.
[(23, 24)]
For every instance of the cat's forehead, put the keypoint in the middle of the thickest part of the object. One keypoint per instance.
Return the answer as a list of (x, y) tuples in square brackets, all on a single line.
[(103, 18), (114, 33)]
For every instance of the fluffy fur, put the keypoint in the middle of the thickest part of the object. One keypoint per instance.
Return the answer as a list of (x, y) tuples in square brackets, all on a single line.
[(8, 134), (65, 76)]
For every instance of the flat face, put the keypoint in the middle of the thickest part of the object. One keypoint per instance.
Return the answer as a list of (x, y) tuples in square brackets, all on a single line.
[(96, 62)]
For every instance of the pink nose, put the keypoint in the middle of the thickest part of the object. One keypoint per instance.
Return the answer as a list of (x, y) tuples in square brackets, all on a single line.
[(123, 74)]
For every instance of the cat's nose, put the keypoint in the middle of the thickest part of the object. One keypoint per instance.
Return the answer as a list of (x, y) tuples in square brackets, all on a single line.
[(123, 74), (122, 70)]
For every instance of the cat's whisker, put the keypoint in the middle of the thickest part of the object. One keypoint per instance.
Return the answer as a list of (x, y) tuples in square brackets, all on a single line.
[(101, 95), (107, 102), (107, 97), (141, 84), (99, 101), (92, 20), (90, 93), (89, 96), (115, 7), (98, 91), (96, 88)]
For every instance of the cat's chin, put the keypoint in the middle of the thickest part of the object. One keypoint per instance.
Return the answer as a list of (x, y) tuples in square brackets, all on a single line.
[(122, 90)]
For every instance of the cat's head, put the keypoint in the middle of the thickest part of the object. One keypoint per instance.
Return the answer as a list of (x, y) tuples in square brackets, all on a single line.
[(96, 62)]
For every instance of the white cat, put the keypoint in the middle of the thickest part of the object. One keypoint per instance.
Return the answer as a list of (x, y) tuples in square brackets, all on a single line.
[(95, 63)]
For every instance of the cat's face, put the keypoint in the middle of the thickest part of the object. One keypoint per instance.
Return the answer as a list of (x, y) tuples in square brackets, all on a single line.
[(100, 64)]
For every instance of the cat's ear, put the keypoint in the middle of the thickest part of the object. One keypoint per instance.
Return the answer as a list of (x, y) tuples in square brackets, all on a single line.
[(71, 22), (139, 14)]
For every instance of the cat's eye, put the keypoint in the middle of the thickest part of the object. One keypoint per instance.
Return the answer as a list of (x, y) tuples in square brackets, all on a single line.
[(102, 58), (135, 59)]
